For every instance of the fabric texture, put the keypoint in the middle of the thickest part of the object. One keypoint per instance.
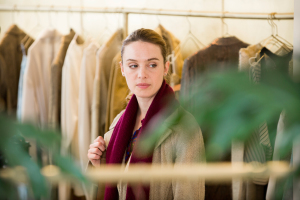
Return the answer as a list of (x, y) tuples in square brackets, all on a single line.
[(105, 56), (11, 58), (117, 92), (55, 86)]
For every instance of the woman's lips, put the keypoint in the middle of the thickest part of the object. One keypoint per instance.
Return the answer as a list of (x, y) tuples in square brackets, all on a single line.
[(143, 85)]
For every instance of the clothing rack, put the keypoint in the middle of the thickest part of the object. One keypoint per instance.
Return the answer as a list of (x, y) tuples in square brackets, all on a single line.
[(127, 11)]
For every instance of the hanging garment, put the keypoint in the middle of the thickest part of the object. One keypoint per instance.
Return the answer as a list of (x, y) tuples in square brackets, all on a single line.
[(281, 63), (117, 92), (69, 107), (273, 185), (37, 77), (55, 86), (20, 88), (87, 75), (174, 53), (258, 148), (105, 57), (11, 56), (221, 54), (70, 94)]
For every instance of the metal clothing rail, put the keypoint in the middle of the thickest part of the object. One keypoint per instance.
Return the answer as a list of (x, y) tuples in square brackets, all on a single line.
[(126, 11), (231, 15)]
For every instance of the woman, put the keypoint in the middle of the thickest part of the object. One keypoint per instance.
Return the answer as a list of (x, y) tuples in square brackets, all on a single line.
[(144, 66)]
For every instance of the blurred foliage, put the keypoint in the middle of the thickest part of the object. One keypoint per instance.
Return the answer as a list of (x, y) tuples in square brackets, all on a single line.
[(14, 152), (228, 106)]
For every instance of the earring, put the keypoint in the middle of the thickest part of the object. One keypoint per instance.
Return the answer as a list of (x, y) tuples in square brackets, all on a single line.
[(123, 74)]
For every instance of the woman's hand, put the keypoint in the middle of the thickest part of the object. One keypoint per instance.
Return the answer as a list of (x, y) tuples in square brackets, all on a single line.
[(96, 150)]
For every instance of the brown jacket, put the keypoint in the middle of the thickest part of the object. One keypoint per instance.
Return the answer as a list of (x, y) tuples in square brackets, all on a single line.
[(176, 148), (173, 47), (221, 54), (55, 87), (11, 58), (117, 92)]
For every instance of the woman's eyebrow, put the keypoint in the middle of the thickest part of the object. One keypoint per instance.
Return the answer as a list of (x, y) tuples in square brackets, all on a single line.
[(152, 59), (130, 60), (147, 59)]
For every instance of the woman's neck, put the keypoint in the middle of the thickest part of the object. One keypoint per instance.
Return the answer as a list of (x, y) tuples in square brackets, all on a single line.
[(144, 104)]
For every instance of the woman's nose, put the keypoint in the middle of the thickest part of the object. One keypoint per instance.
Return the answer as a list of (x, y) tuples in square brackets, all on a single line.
[(142, 72)]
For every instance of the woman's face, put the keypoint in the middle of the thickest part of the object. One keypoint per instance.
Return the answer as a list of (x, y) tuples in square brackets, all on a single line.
[(144, 68)]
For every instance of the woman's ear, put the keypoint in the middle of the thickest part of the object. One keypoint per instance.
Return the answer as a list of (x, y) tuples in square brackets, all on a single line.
[(167, 65), (122, 68)]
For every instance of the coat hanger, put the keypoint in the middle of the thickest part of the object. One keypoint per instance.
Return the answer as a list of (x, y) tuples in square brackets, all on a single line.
[(49, 17), (157, 18), (13, 14), (190, 36), (281, 39), (84, 33), (68, 17), (226, 34), (273, 39), (36, 28), (106, 33)]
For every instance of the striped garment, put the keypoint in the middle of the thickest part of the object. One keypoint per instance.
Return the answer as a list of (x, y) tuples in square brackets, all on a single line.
[(258, 149)]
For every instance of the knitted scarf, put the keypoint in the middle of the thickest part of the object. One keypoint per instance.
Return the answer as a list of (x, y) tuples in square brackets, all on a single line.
[(123, 132)]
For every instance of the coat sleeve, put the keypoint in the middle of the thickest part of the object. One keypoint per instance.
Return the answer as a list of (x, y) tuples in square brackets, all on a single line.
[(189, 148)]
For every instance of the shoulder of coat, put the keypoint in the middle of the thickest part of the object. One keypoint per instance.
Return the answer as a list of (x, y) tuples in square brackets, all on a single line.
[(116, 119)]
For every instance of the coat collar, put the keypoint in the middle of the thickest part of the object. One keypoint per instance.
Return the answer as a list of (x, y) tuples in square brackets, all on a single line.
[(169, 122), (226, 41), (14, 30)]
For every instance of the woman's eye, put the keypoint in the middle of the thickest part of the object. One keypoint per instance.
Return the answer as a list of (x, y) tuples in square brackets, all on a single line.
[(153, 65), (133, 66)]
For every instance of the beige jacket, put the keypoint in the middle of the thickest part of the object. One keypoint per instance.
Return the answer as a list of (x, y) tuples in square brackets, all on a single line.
[(37, 77), (105, 56), (176, 148)]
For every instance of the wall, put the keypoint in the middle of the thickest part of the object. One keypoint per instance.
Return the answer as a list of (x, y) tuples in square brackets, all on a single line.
[(206, 30)]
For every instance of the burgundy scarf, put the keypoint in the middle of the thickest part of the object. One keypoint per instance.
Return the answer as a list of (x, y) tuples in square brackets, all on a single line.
[(123, 132)]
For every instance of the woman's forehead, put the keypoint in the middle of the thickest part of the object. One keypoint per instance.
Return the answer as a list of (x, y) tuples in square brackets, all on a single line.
[(142, 51)]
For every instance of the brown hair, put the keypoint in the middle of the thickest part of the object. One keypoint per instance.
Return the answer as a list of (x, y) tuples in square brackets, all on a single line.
[(146, 35)]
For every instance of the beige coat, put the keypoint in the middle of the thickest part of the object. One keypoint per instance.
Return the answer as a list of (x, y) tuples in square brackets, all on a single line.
[(105, 56), (174, 147)]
